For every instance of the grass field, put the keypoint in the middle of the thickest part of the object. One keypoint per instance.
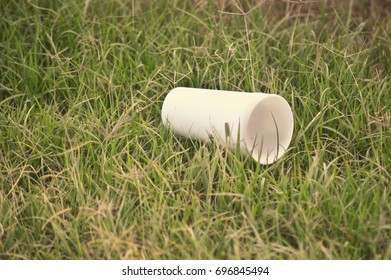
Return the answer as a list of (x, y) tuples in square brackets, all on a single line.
[(87, 171)]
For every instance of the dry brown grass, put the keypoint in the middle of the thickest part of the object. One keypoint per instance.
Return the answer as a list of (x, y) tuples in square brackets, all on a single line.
[(361, 10)]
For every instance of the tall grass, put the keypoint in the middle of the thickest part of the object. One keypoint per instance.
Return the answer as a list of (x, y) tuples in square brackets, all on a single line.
[(87, 171)]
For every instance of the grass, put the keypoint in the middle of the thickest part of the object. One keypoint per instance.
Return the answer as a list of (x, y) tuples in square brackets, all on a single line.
[(87, 171)]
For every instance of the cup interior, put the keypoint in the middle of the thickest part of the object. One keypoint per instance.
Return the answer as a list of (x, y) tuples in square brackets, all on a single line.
[(270, 129)]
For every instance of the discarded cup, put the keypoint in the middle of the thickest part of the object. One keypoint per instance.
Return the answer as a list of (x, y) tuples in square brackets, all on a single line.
[(261, 124)]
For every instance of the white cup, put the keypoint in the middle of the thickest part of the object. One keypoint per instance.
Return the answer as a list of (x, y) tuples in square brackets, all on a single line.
[(262, 124)]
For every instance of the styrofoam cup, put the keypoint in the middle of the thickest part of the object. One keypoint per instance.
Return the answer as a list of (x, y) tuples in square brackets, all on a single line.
[(262, 124)]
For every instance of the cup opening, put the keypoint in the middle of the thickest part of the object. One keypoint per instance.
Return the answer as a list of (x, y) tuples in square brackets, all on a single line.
[(269, 129)]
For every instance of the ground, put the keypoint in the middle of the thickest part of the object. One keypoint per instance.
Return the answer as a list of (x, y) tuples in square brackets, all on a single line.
[(87, 170)]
